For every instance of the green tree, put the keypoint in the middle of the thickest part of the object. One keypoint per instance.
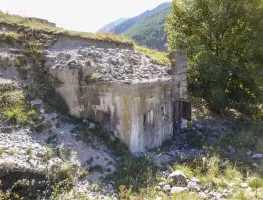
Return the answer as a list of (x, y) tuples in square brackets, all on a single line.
[(223, 39)]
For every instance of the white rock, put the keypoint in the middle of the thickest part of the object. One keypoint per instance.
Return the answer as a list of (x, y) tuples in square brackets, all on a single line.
[(36, 102), (167, 188), (85, 121), (244, 185), (112, 138), (92, 125), (162, 184), (193, 187), (257, 156), (178, 190), (203, 195), (159, 198), (231, 149), (195, 180), (255, 165), (231, 184)]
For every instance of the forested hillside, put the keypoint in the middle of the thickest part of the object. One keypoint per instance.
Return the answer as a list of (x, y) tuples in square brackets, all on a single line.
[(147, 29), (149, 32), (132, 21), (107, 28)]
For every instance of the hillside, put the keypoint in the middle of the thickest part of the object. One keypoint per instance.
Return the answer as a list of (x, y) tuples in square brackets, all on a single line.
[(37, 25), (124, 26), (45, 153), (107, 28), (149, 31)]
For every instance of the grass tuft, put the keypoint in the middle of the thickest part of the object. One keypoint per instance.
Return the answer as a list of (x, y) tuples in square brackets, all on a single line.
[(157, 56), (9, 37)]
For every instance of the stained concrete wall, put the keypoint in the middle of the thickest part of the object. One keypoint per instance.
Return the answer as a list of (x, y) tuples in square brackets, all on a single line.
[(139, 115)]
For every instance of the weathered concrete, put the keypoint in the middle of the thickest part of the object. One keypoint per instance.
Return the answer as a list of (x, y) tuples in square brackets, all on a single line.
[(130, 95), (65, 42)]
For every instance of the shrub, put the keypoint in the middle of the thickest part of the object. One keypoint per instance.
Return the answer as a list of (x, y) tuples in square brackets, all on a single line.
[(83, 174), (255, 182), (49, 154), (61, 178), (16, 115), (14, 107), (143, 166), (225, 69)]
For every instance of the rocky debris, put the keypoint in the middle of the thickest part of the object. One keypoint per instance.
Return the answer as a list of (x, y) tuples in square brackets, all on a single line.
[(195, 180), (15, 51), (28, 150), (179, 179), (109, 65), (173, 153), (194, 186)]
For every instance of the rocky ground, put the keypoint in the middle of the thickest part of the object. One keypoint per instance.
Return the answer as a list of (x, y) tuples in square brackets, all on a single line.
[(56, 144), (109, 65), (59, 140)]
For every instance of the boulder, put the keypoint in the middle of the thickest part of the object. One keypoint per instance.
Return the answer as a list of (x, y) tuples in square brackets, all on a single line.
[(92, 126), (257, 156), (179, 179)]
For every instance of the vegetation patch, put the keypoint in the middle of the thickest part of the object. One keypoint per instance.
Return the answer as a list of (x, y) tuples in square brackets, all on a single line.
[(13, 105), (157, 56), (49, 154), (83, 174), (9, 37), (46, 27)]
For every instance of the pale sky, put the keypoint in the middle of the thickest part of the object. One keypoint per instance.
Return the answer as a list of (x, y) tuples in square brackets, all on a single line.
[(79, 15)]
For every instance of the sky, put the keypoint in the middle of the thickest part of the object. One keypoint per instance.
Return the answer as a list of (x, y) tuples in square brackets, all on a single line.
[(79, 15)]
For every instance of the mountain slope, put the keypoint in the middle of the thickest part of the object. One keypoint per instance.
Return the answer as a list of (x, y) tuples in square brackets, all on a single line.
[(107, 28), (124, 26), (149, 31)]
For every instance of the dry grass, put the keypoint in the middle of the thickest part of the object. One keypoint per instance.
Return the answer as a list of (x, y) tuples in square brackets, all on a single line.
[(37, 25), (157, 56)]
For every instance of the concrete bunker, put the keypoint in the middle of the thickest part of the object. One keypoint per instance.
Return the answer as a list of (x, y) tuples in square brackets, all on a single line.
[(137, 100)]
